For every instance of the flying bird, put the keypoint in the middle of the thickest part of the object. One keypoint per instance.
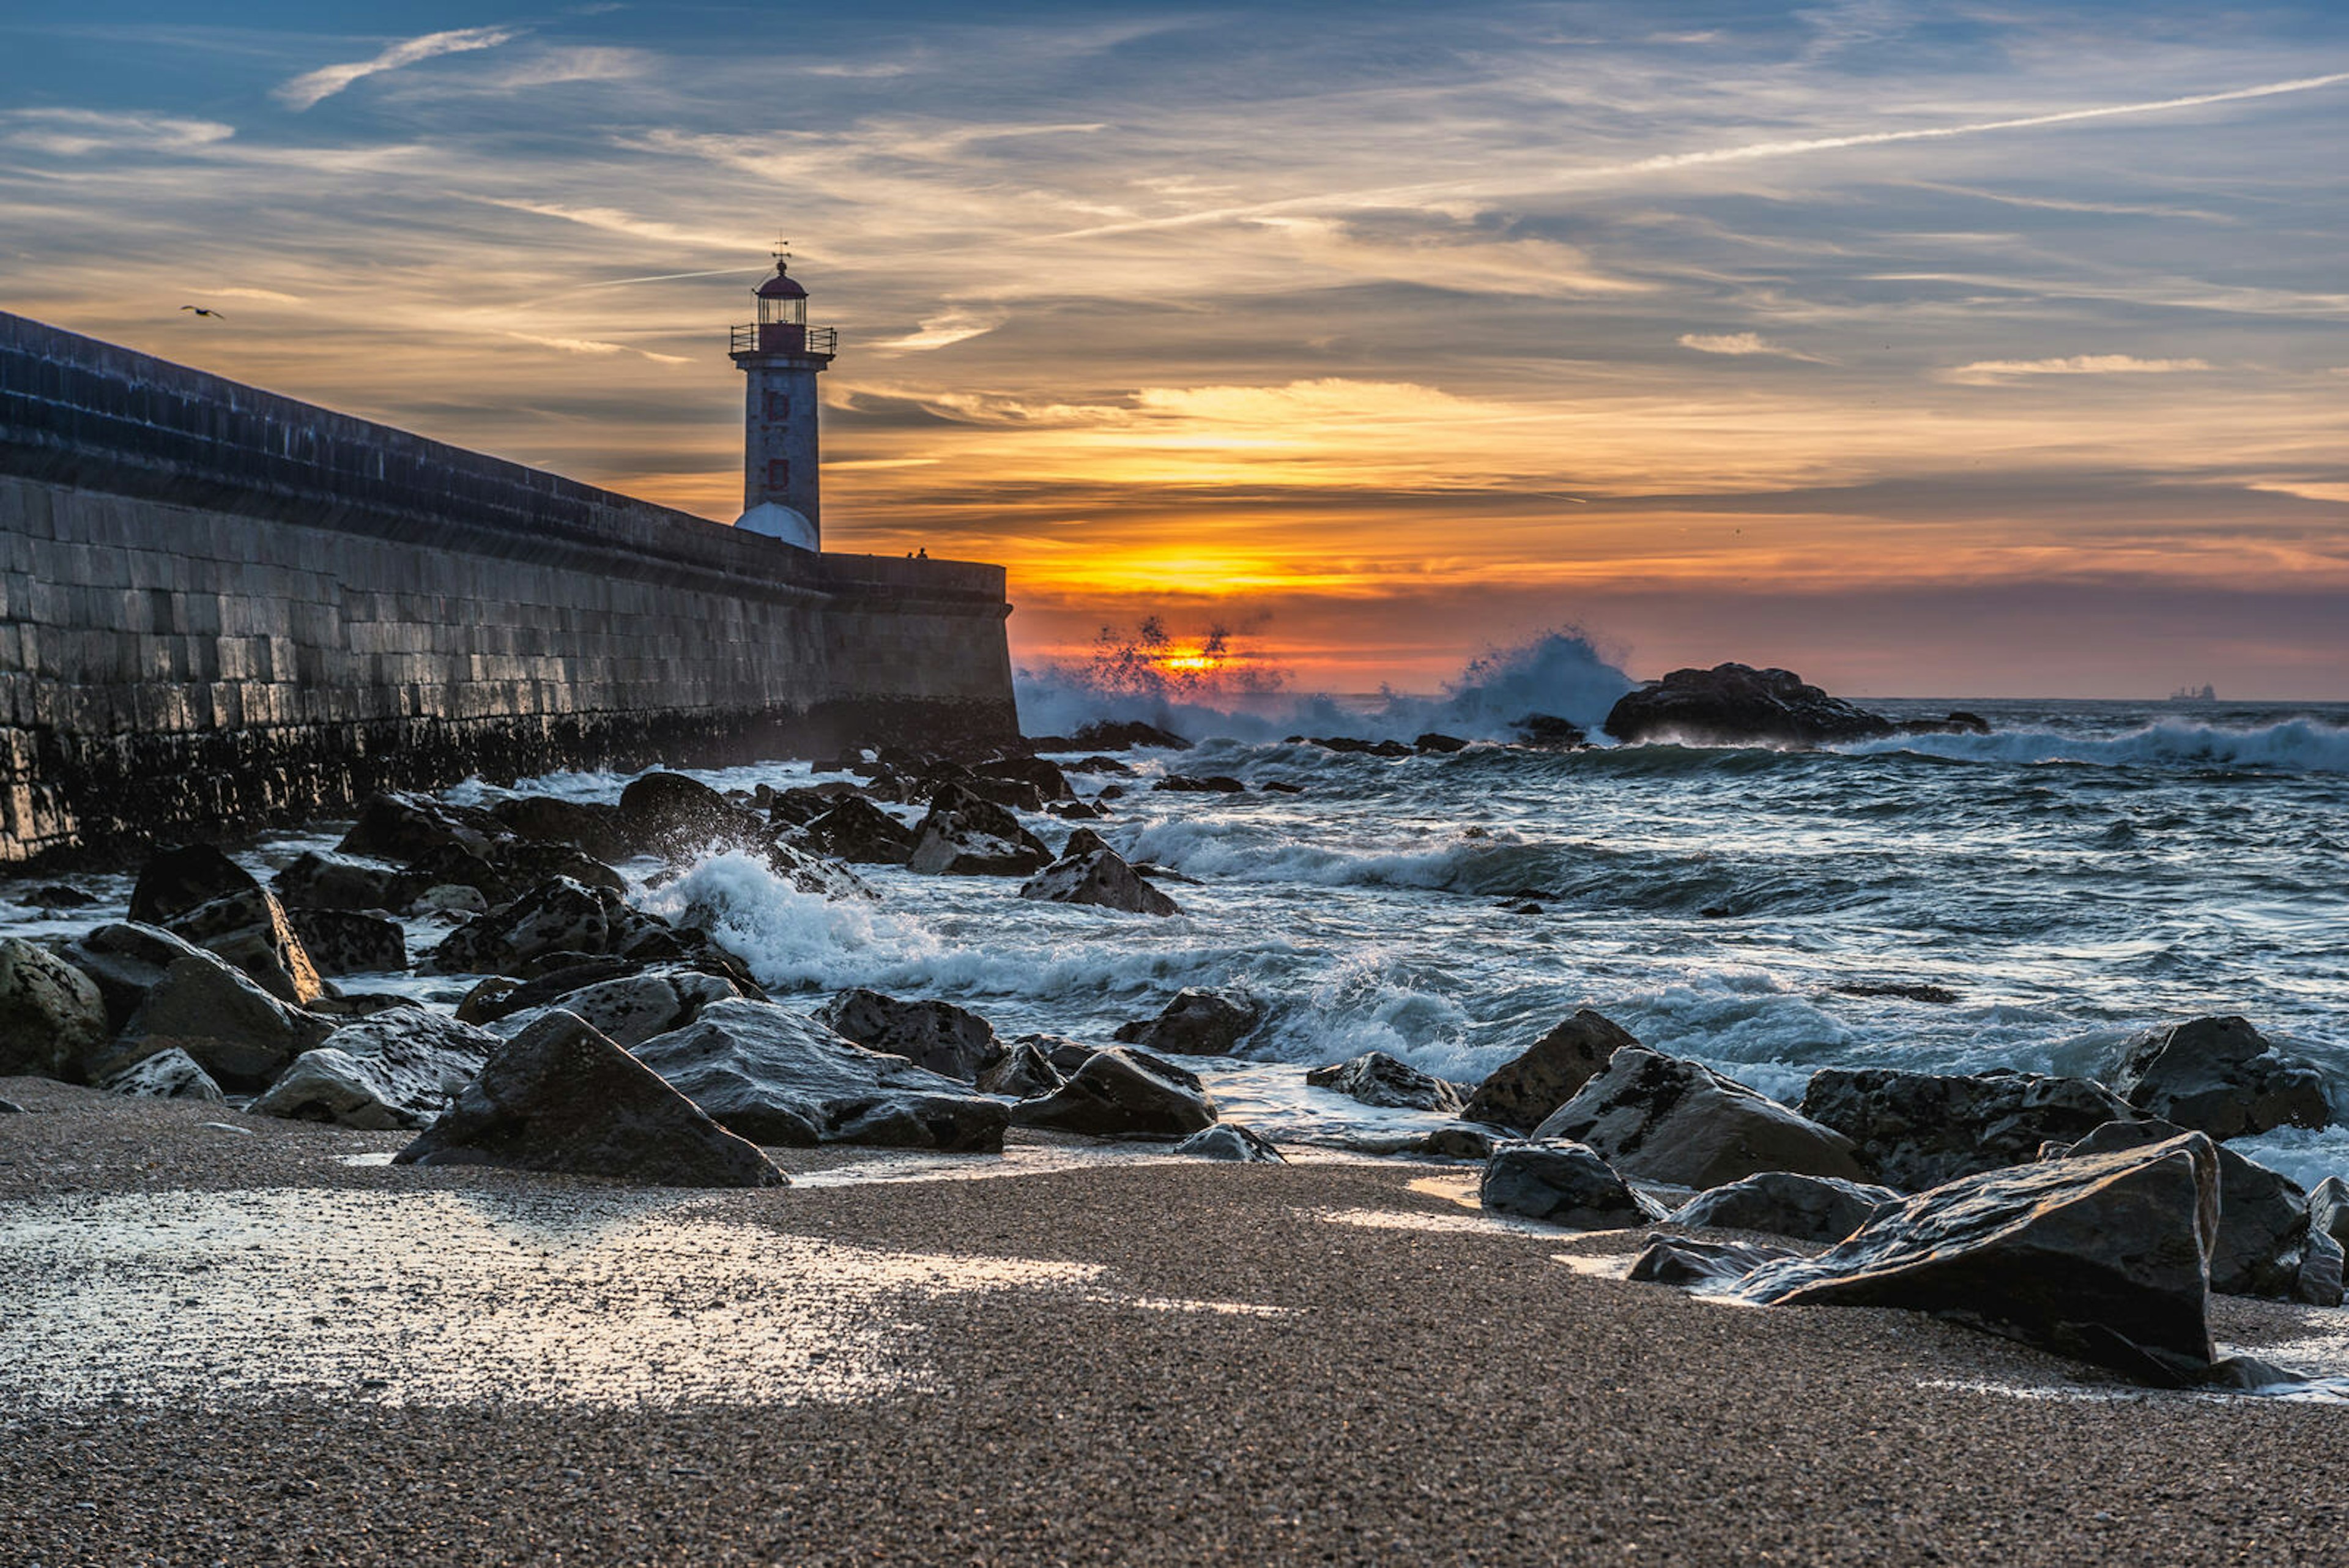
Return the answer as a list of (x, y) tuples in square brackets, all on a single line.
[(200, 310)]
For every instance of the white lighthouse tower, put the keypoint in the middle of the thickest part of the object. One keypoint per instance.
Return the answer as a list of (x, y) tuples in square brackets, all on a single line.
[(782, 355)]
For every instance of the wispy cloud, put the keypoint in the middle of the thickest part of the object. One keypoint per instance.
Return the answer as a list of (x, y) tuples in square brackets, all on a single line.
[(1994, 372), (1742, 343), (77, 132), (596, 347), (956, 326), (313, 88)]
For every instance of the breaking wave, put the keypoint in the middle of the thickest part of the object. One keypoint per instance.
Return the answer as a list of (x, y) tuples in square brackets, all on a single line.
[(2305, 745)]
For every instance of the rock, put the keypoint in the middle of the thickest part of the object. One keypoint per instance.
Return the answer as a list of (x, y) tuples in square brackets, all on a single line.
[(521, 865), (2328, 1208), (1099, 765), (1022, 1071), (1938, 995), (1039, 775), (1119, 1094), (677, 816), (1216, 783), (631, 1008), (1564, 1182), (166, 1075), (11, 1109), (452, 898), (313, 881), (1011, 793), (346, 941), (591, 828), (1735, 704), (964, 835), (2219, 1076), (1453, 1143), (1196, 1024), (1548, 732), (1089, 872), (398, 1068), (1684, 1260), (174, 881), (1104, 736), (2104, 1258), (251, 929), (237, 1031), (951, 1040), (855, 829), (2264, 1217), (52, 1015), (1673, 1120), (785, 1079), (1915, 1130), (1958, 723), (561, 1097), (1521, 1095), (1231, 1140), (407, 827), (809, 873), (1280, 786), (1376, 1078), (57, 896), (559, 916), (126, 961), (2318, 1280), (1434, 744), (1781, 1203)]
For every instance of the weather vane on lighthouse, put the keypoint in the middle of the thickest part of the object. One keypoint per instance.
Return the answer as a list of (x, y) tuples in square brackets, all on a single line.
[(782, 355)]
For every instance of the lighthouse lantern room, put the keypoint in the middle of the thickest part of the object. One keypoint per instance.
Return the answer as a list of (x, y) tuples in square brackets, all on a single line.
[(781, 355)]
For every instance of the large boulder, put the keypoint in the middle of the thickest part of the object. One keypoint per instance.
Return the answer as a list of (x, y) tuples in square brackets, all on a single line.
[(1038, 772), (1196, 1024), (1736, 704), (853, 828), (1915, 1130), (2219, 1076), (951, 1040), (1672, 1120), (52, 1015), (1376, 1078), (561, 1097), (965, 835), (167, 1075), (1521, 1095), (674, 816), (559, 916), (252, 930), (1231, 1141), (591, 827), (235, 1031), (2264, 1215), (785, 1079), (407, 827), (2106, 1258), (1781, 1203), (630, 1009), (397, 1068), (316, 880), (125, 960), (1089, 872), (1563, 1182), (1119, 1094), (349, 942), (176, 880)]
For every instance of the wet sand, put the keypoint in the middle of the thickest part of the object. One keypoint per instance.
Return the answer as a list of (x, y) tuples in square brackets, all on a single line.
[(240, 1347)]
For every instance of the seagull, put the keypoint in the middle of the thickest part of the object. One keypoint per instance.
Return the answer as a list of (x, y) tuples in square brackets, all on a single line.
[(200, 310)]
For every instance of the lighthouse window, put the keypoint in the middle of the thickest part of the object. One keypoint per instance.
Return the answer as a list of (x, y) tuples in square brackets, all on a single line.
[(778, 405), (779, 472)]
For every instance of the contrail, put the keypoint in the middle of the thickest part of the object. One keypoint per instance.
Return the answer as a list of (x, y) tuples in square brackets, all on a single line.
[(662, 277)]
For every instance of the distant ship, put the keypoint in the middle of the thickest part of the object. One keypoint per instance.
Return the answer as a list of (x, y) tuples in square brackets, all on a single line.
[(2190, 694)]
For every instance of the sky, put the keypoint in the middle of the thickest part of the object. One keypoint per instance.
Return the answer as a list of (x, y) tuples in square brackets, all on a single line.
[(1930, 349)]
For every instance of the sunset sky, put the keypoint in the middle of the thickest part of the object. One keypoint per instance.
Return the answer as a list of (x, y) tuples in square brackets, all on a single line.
[(1938, 348)]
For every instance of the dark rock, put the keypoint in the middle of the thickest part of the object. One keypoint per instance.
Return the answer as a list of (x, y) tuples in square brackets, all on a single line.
[(1434, 744), (2318, 1280), (1077, 811), (1735, 704), (1089, 872), (798, 807), (630, 1009), (53, 1017), (237, 1031), (57, 896), (1196, 1024), (174, 881), (2328, 1208), (1670, 1119), (1216, 783), (126, 961), (2106, 1258), (407, 827), (1959, 722), (1231, 1141), (593, 830), (782, 1078), (1563, 1182), (2219, 1076), (1346, 745), (1684, 1260), (1940, 996), (1781, 1203), (1021, 1072), (950, 1041), (1453, 1143), (1011, 793), (1109, 793), (673, 816), (1119, 1094), (557, 916), (1280, 787), (1376, 1078), (1104, 736), (855, 829), (1548, 732), (346, 941), (336, 881), (2262, 1215), (1098, 766), (524, 864), (1521, 1095), (1038, 774), (398, 1068), (1523, 906), (815, 873), (11, 1109), (964, 835), (166, 1075), (561, 1097), (1915, 1130), (252, 930)]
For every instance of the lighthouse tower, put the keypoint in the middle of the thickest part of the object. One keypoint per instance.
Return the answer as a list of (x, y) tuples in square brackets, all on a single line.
[(782, 355)]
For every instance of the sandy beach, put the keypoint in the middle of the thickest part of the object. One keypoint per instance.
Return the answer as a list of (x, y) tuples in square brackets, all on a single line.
[(1122, 1360)]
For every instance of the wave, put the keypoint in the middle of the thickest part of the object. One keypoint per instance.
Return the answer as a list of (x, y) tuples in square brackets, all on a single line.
[(2302, 745)]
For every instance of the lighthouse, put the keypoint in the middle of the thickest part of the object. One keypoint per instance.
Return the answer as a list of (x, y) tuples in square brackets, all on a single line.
[(782, 355)]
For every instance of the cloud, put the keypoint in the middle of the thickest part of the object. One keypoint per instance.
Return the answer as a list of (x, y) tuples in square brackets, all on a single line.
[(1997, 372), (73, 133), (313, 88), (595, 345), (956, 326), (1741, 343)]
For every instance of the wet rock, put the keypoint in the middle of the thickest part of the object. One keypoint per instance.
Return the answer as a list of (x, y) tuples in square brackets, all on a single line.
[(398, 1068), (631, 1008), (1038, 774), (2317, 1281), (1672, 1120), (2328, 1208), (674, 816), (174, 881), (2219, 1076), (815, 873), (1280, 786), (2262, 1215), (405, 827), (561, 1097), (1196, 1024), (1915, 1130), (1119, 1094), (2104, 1258), (1548, 732), (559, 916), (1455, 1143), (1685, 1262), (57, 896), (1231, 1141), (237, 1031), (1022, 1071), (452, 898), (964, 835), (1938, 995), (1780, 1203), (1956, 722), (950, 1041), (1735, 704), (591, 827), (855, 829), (1077, 811), (166, 1075), (11, 1109), (1376, 1078), (1089, 872), (785, 1079), (1563, 1182), (1521, 1095), (1214, 784), (1011, 793), (252, 930), (795, 808), (336, 881), (524, 865), (1433, 743), (1105, 736), (52, 1015), (346, 941), (125, 962)]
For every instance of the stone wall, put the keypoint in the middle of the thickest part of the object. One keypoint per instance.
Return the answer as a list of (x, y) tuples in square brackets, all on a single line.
[(220, 608)]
